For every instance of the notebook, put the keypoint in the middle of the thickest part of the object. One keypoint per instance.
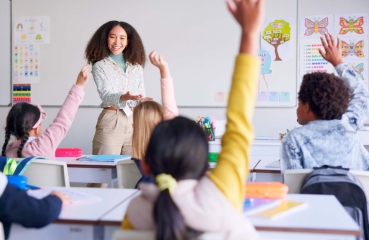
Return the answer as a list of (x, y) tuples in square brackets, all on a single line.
[(105, 158), (255, 205), (285, 208), (75, 196)]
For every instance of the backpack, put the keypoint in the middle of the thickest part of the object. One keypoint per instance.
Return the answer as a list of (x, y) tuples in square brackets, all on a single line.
[(345, 186), (10, 167)]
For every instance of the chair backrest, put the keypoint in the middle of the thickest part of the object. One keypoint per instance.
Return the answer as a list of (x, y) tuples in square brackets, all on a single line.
[(128, 174), (2, 236), (47, 173), (363, 176), (293, 178), (150, 235)]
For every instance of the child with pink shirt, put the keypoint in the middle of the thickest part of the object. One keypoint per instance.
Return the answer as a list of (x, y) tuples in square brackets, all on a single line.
[(24, 121)]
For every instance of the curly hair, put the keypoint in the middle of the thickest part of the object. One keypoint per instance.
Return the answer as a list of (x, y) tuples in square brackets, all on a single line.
[(97, 48), (327, 95)]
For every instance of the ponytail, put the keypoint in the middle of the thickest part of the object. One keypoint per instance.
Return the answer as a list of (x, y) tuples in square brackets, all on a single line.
[(23, 141), (7, 138), (169, 220)]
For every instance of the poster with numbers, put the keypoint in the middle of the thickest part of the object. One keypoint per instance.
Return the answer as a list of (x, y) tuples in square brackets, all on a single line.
[(26, 68)]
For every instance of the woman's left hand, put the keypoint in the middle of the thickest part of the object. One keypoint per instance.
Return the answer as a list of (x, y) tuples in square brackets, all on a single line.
[(146, 99)]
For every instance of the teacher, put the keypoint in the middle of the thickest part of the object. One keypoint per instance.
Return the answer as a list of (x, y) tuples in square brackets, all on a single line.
[(118, 57)]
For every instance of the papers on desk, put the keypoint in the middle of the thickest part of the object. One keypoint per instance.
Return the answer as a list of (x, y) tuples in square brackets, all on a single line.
[(75, 196), (275, 164), (255, 205), (285, 208), (105, 158)]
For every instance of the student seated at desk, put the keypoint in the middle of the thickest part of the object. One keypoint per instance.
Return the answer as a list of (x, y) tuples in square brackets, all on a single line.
[(148, 114), (332, 110), (24, 121), (17, 207), (186, 201)]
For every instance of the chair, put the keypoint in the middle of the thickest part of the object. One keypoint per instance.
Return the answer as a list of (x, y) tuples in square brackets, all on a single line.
[(47, 173), (2, 237), (128, 174), (149, 235), (293, 178), (363, 176)]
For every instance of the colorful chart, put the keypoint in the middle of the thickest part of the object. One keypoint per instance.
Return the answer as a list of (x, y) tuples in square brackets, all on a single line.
[(21, 93), (311, 61), (26, 67)]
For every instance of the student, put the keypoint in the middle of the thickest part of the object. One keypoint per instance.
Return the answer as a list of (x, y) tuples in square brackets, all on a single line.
[(186, 201), (17, 207), (332, 110), (24, 121), (118, 57), (148, 114)]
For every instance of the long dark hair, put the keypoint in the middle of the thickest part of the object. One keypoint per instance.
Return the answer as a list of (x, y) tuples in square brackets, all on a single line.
[(177, 147), (97, 48), (19, 122)]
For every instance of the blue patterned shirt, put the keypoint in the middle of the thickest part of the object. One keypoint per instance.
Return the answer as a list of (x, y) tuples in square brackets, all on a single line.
[(331, 142)]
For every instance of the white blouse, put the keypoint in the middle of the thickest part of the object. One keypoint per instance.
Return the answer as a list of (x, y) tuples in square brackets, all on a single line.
[(112, 82)]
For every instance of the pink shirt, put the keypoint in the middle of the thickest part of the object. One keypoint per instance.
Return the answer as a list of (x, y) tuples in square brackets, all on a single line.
[(46, 144)]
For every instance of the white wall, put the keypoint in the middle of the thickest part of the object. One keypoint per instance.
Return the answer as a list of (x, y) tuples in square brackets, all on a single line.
[(267, 122)]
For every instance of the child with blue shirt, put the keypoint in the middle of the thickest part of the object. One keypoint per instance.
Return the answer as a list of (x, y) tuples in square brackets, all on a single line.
[(332, 110)]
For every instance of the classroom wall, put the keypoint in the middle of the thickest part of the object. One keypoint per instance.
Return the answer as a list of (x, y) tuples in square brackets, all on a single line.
[(267, 122)]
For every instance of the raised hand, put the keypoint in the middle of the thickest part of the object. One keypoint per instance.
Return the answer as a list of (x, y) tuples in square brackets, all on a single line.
[(83, 76), (158, 61), (248, 13), (332, 49)]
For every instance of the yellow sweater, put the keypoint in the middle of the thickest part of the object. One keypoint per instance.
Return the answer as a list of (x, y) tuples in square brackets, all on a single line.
[(233, 163)]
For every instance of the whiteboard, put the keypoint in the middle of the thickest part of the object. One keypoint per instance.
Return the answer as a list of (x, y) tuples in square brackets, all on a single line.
[(5, 60), (199, 40)]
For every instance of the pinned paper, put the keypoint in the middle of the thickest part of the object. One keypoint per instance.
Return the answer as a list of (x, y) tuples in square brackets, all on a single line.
[(273, 97), (263, 96), (26, 67), (284, 96), (31, 30), (219, 96)]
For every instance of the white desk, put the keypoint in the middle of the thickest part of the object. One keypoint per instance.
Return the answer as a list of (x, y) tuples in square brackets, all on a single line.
[(92, 172), (324, 218), (267, 174), (79, 221)]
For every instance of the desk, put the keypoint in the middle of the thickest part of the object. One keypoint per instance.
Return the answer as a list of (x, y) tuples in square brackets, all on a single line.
[(324, 218), (92, 172), (266, 174), (80, 221)]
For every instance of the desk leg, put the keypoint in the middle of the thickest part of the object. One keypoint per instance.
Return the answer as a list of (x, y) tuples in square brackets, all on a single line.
[(114, 178)]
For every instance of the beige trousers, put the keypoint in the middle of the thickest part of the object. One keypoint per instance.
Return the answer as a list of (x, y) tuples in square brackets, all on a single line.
[(113, 133)]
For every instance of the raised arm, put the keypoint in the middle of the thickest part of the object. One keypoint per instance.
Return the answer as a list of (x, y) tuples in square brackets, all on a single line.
[(358, 106), (233, 164), (55, 133), (170, 109)]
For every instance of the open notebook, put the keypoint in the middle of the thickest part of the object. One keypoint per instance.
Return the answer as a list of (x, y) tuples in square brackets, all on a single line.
[(105, 158), (75, 196)]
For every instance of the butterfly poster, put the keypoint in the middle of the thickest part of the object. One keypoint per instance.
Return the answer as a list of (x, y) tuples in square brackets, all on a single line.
[(314, 26), (354, 48), (360, 68), (349, 25)]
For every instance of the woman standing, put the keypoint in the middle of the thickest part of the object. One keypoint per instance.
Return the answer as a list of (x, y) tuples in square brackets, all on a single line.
[(118, 57)]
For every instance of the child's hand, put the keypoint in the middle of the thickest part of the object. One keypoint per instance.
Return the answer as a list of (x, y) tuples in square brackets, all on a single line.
[(248, 13), (157, 60), (64, 198), (83, 76), (332, 50), (129, 96)]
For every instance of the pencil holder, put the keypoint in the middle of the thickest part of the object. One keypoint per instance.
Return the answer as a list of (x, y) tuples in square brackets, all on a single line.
[(210, 133)]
